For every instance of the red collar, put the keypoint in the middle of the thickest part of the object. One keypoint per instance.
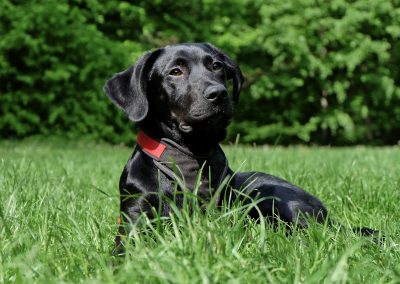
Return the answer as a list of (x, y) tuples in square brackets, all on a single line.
[(149, 145), (179, 165)]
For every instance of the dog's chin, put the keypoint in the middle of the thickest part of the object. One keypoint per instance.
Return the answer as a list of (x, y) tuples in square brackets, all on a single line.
[(205, 124), (185, 128)]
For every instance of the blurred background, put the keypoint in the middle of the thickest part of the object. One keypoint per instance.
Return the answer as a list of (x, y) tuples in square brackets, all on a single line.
[(317, 72)]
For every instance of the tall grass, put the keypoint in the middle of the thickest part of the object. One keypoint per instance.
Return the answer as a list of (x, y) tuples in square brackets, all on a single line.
[(59, 206)]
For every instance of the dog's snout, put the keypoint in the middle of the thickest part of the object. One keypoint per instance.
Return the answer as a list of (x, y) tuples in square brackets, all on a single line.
[(215, 93)]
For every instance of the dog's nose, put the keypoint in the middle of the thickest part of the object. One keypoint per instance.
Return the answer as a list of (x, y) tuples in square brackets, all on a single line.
[(215, 93)]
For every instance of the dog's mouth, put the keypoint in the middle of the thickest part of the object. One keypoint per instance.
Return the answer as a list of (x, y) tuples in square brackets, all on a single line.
[(185, 127), (200, 121)]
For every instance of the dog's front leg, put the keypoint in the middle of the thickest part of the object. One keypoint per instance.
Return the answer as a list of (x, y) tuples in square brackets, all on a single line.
[(143, 192)]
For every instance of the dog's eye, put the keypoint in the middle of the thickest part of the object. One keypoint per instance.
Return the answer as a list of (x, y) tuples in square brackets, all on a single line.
[(217, 66), (176, 72)]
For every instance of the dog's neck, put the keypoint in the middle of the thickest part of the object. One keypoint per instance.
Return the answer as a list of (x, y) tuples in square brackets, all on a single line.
[(203, 174), (199, 144)]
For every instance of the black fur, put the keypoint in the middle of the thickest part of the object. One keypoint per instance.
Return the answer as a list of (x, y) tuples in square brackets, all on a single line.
[(180, 92)]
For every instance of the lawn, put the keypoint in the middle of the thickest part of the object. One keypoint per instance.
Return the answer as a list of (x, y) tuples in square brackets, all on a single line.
[(59, 206)]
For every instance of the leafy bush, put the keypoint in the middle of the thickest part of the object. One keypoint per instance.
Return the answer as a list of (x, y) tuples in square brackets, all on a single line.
[(317, 72), (53, 65), (324, 73)]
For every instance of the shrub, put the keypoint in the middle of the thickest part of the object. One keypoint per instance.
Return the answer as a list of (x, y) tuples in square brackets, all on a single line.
[(323, 72), (53, 64), (317, 71)]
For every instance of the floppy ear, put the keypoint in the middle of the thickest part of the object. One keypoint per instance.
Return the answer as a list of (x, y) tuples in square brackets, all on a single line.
[(233, 72), (127, 89)]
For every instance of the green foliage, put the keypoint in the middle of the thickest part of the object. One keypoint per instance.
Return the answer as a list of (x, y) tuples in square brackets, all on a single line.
[(323, 73), (53, 65), (317, 71)]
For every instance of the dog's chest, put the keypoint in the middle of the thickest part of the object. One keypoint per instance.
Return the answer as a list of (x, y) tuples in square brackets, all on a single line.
[(201, 175)]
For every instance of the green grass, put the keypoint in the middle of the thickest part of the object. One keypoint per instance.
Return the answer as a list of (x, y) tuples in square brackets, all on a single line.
[(59, 206)]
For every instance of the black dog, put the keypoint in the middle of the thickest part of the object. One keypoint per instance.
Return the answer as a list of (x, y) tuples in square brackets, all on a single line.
[(178, 97)]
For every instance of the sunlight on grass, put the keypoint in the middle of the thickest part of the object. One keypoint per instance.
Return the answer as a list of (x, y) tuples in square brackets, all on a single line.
[(59, 205)]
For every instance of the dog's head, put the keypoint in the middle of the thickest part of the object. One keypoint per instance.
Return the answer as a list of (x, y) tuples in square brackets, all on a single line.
[(182, 88)]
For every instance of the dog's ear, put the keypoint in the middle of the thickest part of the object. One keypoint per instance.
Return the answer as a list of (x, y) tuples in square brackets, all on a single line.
[(233, 72), (127, 89)]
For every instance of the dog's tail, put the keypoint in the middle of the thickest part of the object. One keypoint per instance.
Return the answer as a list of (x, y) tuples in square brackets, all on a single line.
[(376, 236), (367, 232)]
